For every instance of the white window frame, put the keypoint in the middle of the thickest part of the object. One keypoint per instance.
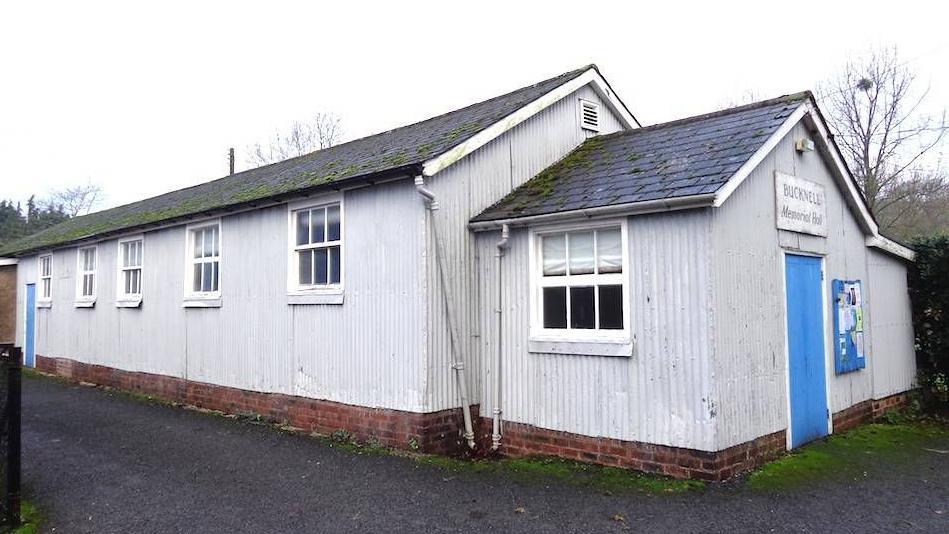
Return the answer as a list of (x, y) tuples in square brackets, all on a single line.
[(86, 301), (323, 293), (123, 299), (44, 301), (202, 299), (600, 342)]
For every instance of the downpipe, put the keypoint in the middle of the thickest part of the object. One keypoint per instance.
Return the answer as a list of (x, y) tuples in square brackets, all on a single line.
[(458, 363), (496, 424)]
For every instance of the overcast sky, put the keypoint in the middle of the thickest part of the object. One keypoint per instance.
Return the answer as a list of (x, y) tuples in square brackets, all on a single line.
[(143, 100)]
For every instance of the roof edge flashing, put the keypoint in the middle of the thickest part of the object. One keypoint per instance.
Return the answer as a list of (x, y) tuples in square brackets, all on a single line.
[(499, 128)]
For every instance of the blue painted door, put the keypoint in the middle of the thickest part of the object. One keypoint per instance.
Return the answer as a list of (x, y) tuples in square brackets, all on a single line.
[(29, 342), (805, 312)]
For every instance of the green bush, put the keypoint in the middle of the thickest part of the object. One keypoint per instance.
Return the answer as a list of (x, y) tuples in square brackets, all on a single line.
[(929, 292)]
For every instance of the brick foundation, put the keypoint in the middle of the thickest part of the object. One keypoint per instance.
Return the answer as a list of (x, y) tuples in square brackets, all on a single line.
[(525, 440), (437, 432), (441, 432), (868, 411), (522, 440)]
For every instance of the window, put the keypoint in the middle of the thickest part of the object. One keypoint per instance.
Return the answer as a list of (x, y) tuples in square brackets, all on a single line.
[(46, 278), (589, 115), (316, 237), (580, 285), (131, 255), (86, 276), (203, 280)]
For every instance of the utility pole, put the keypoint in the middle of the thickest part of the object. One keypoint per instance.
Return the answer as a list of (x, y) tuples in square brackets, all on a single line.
[(230, 157)]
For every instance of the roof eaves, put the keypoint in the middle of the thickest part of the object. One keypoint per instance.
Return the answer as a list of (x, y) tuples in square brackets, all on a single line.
[(405, 171)]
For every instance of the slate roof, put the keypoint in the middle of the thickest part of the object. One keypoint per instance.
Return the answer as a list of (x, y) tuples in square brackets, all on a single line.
[(397, 151), (675, 159)]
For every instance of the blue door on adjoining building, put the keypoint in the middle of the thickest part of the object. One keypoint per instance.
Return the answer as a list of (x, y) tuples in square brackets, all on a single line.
[(29, 330), (806, 366)]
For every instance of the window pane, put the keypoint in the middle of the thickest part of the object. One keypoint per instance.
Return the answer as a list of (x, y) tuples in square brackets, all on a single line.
[(305, 261), (214, 277), (208, 250), (215, 241), (581, 253), (318, 225), (334, 265), (92, 260), (139, 249), (555, 307), (582, 314), (609, 253), (198, 237), (128, 281), (611, 307), (303, 227), (87, 285), (126, 260), (332, 223), (137, 278), (46, 287), (319, 262), (555, 255), (196, 278), (207, 276)]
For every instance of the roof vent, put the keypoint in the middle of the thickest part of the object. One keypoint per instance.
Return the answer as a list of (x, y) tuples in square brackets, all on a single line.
[(589, 115)]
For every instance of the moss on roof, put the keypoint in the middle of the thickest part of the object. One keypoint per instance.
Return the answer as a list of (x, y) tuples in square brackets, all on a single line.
[(401, 150), (691, 156)]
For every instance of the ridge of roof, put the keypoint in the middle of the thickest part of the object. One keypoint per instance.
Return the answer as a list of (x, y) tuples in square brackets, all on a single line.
[(397, 150), (793, 97)]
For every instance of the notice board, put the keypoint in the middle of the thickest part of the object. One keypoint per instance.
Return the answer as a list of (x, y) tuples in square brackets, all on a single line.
[(849, 325)]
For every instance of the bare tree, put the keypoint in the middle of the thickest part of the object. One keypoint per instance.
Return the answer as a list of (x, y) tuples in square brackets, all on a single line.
[(875, 112), (323, 130), (75, 200)]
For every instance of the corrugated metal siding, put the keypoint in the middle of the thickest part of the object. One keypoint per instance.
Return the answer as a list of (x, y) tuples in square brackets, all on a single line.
[(891, 326), (660, 395), (368, 351), (750, 371), (464, 190), (25, 274)]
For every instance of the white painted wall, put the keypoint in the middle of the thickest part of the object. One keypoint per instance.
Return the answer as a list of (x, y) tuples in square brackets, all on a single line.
[(464, 190), (385, 346), (748, 306), (367, 351), (660, 394), (891, 326)]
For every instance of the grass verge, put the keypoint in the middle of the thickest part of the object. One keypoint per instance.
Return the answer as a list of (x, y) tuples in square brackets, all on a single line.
[(31, 517), (852, 455)]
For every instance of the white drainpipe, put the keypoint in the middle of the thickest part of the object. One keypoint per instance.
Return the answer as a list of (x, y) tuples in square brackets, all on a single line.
[(496, 425), (458, 364)]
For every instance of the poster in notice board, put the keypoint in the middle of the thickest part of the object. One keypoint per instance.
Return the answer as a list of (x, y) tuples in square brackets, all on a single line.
[(849, 348)]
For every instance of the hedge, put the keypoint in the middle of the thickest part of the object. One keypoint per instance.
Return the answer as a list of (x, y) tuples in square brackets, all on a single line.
[(929, 292)]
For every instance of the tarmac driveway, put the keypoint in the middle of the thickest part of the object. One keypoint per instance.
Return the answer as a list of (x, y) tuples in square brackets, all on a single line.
[(97, 461)]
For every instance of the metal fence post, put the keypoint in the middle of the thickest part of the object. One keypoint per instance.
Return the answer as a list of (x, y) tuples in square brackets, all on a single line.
[(10, 362)]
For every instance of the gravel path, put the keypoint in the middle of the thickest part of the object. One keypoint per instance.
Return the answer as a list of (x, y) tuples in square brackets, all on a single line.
[(96, 461)]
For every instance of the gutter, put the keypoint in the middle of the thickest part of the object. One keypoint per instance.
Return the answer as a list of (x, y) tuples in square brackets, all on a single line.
[(630, 208), (458, 362)]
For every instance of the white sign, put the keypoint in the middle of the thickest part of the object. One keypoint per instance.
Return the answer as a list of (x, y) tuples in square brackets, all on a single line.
[(801, 205)]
